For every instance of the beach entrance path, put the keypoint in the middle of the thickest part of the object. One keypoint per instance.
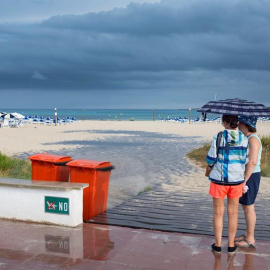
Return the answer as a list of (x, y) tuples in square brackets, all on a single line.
[(141, 159), (178, 211)]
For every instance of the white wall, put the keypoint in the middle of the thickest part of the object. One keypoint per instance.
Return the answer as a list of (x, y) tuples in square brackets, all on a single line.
[(27, 204)]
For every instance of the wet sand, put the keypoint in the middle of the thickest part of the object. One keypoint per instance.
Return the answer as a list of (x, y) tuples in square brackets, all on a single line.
[(145, 154)]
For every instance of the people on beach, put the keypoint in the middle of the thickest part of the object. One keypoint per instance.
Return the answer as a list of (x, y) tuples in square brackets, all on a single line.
[(227, 178), (204, 115), (247, 125)]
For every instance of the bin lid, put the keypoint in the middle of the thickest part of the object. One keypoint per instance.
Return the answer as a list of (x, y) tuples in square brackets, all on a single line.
[(86, 163), (50, 158)]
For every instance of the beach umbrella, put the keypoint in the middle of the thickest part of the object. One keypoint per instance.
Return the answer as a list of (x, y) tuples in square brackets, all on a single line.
[(17, 115), (235, 107), (13, 115), (2, 114), (8, 115)]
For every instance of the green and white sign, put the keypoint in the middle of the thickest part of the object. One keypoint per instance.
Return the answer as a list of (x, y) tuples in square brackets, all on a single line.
[(56, 205)]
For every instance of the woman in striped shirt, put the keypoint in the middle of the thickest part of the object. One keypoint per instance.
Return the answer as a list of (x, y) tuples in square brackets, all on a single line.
[(227, 178)]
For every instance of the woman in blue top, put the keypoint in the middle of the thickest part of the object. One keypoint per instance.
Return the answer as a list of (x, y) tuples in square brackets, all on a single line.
[(252, 180)]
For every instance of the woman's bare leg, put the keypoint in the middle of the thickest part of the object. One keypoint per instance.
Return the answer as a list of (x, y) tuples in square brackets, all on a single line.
[(232, 209), (250, 216), (218, 212)]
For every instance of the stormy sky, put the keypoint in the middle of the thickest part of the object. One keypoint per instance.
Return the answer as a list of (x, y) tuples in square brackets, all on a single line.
[(133, 54)]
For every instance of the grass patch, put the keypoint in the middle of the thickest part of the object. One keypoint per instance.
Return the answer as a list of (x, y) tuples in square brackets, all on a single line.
[(199, 155), (148, 188), (14, 168), (265, 161)]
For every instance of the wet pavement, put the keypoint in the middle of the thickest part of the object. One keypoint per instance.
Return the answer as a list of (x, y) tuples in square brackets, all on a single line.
[(91, 246)]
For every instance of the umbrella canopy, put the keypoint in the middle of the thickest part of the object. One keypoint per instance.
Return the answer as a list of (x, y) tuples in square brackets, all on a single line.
[(17, 115), (7, 115), (13, 115), (235, 107)]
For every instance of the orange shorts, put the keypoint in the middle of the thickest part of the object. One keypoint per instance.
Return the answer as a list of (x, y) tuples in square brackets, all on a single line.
[(221, 191)]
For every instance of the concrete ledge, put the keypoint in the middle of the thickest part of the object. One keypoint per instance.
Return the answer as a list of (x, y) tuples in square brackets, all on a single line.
[(23, 183), (59, 203)]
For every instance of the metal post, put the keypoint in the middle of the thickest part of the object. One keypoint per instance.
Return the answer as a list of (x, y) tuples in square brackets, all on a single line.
[(189, 115), (83, 114), (153, 114), (55, 115)]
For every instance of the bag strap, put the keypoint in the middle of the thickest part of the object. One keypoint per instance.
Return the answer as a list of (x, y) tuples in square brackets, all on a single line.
[(219, 136)]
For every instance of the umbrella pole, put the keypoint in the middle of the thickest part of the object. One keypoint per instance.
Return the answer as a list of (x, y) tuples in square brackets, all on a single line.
[(55, 114)]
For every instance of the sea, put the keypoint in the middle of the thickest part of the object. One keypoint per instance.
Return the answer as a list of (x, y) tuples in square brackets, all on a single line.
[(110, 114)]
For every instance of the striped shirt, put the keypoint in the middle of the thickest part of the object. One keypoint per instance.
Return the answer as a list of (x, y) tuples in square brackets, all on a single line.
[(229, 165)]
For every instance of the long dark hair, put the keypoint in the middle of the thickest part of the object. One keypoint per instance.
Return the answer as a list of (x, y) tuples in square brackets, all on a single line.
[(249, 128), (232, 120)]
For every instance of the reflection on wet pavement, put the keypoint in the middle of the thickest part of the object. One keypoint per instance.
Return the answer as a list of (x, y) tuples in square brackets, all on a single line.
[(36, 246), (249, 260)]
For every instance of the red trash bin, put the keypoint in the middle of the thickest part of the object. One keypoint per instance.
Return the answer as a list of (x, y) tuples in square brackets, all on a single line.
[(97, 175), (50, 167)]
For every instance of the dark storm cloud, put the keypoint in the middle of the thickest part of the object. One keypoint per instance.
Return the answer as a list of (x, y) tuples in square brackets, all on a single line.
[(36, 10), (197, 17), (143, 46)]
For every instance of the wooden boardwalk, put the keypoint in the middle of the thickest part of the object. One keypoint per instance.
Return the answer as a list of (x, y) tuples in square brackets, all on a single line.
[(179, 211)]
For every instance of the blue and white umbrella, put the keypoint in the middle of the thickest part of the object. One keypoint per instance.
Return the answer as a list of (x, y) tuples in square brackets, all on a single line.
[(2, 114), (17, 115), (7, 115), (13, 115), (236, 107)]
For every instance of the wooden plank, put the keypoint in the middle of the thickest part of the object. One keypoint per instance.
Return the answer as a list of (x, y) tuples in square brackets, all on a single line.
[(177, 212)]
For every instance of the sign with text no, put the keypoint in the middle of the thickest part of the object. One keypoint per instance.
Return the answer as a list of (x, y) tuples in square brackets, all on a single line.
[(57, 244), (56, 205)]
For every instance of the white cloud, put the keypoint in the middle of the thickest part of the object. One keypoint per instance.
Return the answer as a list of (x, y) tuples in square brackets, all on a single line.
[(36, 75)]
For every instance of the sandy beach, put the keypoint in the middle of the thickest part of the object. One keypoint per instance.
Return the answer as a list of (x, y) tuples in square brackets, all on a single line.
[(145, 154)]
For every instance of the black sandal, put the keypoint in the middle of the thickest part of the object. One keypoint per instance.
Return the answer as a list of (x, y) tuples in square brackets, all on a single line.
[(232, 250), (216, 249), (240, 238)]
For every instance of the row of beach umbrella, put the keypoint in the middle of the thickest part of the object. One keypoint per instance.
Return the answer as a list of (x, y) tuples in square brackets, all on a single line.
[(34, 119), (228, 106)]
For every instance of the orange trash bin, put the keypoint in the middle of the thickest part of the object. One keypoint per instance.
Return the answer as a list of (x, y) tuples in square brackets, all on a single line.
[(97, 175), (96, 243), (50, 167)]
